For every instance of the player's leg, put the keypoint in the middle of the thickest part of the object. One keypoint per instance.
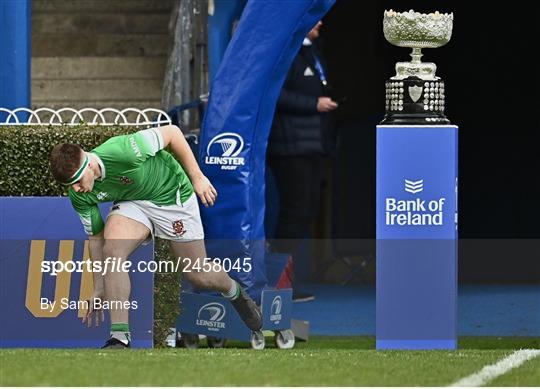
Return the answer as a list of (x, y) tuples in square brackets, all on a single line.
[(182, 226), (210, 280), (215, 278), (122, 236)]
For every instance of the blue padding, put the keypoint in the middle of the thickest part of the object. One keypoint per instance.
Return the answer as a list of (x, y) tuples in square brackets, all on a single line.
[(26, 224), (16, 55), (42, 218), (237, 124), (215, 316)]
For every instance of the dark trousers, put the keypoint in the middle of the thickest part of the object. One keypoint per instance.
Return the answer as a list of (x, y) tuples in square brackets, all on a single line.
[(298, 180)]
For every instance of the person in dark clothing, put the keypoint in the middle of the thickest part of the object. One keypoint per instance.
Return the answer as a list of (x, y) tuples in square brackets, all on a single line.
[(301, 136)]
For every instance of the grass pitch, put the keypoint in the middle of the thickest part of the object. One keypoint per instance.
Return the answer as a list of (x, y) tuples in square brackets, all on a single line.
[(323, 361)]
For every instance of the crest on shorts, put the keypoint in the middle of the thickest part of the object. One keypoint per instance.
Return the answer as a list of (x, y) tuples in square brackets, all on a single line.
[(126, 180), (178, 228)]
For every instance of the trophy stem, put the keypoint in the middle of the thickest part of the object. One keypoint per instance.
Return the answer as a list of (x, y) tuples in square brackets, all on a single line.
[(416, 55)]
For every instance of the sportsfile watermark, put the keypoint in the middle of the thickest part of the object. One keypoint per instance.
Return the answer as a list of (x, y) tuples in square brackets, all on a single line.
[(114, 264)]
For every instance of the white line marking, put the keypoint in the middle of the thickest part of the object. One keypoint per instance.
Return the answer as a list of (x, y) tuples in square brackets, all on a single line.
[(490, 372)]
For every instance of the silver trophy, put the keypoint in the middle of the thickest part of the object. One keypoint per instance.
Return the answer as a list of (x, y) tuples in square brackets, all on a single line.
[(415, 95)]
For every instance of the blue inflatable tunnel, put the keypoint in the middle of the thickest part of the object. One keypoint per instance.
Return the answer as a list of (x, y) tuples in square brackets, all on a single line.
[(237, 124)]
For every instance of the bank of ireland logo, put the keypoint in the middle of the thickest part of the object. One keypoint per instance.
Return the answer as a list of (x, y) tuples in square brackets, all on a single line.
[(414, 186), (210, 316), (414, 210), (275, 310), (224, 150)]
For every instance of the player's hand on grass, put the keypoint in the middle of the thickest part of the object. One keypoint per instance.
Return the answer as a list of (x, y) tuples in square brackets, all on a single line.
[(94, 315), (205, 190)]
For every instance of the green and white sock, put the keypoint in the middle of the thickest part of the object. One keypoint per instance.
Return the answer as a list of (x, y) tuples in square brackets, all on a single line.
[(233, 292), (121, 332)]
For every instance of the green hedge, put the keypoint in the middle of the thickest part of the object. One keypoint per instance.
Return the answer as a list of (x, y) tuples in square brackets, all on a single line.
[(24, 171)]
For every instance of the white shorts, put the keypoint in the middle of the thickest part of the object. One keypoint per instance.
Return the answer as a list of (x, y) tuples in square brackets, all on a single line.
[(180, 223)]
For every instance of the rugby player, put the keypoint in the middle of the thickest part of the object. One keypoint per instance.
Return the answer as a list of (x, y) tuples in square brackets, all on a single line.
[(153, 195)]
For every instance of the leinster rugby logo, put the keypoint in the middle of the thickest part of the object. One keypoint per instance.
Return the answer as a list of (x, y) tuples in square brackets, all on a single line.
[(275, 310), (126, 180), (224, 149), (210, 316)]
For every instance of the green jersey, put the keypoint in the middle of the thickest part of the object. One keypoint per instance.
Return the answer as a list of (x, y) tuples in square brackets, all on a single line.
[(133, 167)]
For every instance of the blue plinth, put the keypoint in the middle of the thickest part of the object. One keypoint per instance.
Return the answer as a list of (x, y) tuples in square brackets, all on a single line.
[(416, 305)]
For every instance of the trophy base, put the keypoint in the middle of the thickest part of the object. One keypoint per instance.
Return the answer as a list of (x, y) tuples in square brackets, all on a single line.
[(415, 101), (412, 119)]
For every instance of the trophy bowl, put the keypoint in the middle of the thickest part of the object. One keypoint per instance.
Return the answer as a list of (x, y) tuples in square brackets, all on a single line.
[(417, 30)]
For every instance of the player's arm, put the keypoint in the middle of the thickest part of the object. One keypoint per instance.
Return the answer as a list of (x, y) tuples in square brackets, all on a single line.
[(173, 137), (96, 256), (93, 315), (94, 227)]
